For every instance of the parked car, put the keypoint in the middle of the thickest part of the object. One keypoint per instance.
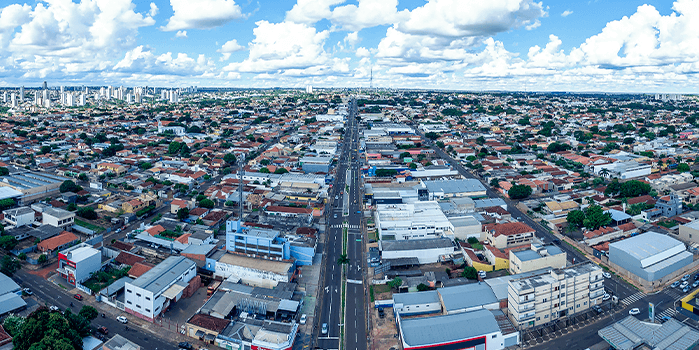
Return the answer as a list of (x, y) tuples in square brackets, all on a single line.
[(27, 291), (324, 328), (685, 277), (78, 296), (122, 319), (481, 274), (382, 313), (684, 284), (606, 297), (675, 284), (103, 330), (335, 216), (53, 308), (634, 311), (607, 275), (302, 320), (685, 289), (185, 345), (696, 277), (598, 309)]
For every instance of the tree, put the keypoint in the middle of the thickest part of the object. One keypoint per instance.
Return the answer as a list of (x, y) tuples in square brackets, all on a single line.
[(4, 171), (472, 240), (87, 213), (264, 170), (557, 147), (70, 186), (575, 218), (229, 158), (145, 165), (630, 189), (8, 242), (207, 203), (386, 172), (45, 149), (404, 155), (83, 177), (519, 191), (7, 203), (422, 287), (22, 256), (265, 162), (629, 140), (432, 135), (683, 167), (343, 260), (42, 259), (13, 324), (9, 265), (281, 171), (174, 147), (88, 312), (183, 213), (470, 273), (412, 166), (395, 283), (494, 182), (595, 217)]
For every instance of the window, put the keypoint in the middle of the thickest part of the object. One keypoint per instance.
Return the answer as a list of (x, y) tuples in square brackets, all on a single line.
[(563, 303), (585, 303), (138, 295), (578, 305), (563, 286), (147, 298), (129, 291), (555, 288), (128, 302), (563, 294), (147, 310), (138, 306), (494, 336), (546, 316), (538, 318), (543, 300)]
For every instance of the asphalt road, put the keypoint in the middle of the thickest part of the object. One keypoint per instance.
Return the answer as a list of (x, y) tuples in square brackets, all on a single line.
[(54, 295), (346, 203)]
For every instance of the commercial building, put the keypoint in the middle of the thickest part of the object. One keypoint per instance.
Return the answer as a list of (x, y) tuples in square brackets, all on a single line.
[(19, 217), (558, 293), (60, 218), (650, 256), (117, 342), (255, 272), (417, 220), (34, 186), (419, 251), (690, 232), (150, 294), (508, 234), (315, 164), (78, 262), (440, 189), (631, 333), (10, 299), (536, 257), (258, 243), (485, 330)]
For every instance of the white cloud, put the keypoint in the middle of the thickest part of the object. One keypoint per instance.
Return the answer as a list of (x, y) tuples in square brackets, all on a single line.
[(311, 11), (201, 14), (459, 18), (228, 48), (351, 39), (368, 13), (362, 52), (290, 49), (181, 34), (153, 9), (142, 60), (566, 13)]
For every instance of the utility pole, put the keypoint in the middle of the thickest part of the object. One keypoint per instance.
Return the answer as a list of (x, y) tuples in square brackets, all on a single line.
[(241, 173)]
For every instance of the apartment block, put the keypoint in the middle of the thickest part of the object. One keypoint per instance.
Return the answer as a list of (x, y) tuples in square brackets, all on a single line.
[(552, 295)]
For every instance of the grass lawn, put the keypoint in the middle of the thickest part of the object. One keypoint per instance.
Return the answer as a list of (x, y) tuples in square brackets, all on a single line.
[(668, 223), (381, 288), (92, 227), (102, 279)]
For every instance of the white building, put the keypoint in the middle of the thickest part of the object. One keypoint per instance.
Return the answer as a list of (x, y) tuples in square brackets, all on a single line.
[(78, 262), (252, 271), (417, 220), (148, 295), (177, 130), (58, 218), (19, 217), (419, 251)]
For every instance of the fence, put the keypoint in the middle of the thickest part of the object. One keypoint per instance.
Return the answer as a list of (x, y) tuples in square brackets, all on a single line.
[(83, 288)]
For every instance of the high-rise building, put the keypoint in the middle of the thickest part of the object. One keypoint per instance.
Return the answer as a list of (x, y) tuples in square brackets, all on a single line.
[(174, 96), (4, 97), (309, 89), (70, 100), (21, 93), (45, 96), (163, 94), (82, 99), (62, 89), (45, 86), (14, 100)]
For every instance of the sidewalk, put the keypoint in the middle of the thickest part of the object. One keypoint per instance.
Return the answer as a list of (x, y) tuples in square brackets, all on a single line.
[(308, 282)]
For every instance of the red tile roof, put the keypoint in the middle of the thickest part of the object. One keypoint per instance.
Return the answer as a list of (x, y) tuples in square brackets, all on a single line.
[(57, 241), (508, 228), (209, 322), (128, 258), (140, 268)]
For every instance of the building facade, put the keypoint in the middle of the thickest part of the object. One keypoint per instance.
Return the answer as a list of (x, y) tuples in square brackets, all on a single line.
[(417, 220), (77, 263)]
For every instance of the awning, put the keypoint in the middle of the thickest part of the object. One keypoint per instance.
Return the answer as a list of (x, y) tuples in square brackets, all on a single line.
[(172, 292), (199, 334), (209, 337), (288, 305)]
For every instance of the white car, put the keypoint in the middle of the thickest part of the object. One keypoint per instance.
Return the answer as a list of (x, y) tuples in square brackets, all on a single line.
[(606, 297), (53, 308), (695, 284), (685, 277), (684, 284), (634, 311), (607, 275), (122, 319), (481, 274), (303, 319)]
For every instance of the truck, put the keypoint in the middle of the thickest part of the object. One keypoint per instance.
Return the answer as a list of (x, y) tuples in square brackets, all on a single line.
[(212, 288)]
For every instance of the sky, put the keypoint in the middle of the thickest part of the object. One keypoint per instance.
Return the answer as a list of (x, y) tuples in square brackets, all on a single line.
[(475, 45)]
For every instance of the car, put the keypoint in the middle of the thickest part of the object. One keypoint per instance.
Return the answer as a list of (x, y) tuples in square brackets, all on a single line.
[(27, 291), (675, 284), (324, 328), (53, 308), (359, 211), (122, 319), (303, 318), (696, 277), (634, 311), (382, 313), (481, 274), (103, 330), (684, 284), (78, 296), (685, 289), (335, 216), (607, 275), (185, 345), (685, 277), (597, 309), (606, 297), (695, 284), (337, 197)]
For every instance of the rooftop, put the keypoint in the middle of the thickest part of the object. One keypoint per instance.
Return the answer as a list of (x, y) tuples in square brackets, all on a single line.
[(478, 294), (278, 267), (416, 244), (548, 277), (425, 331), (454, 186), (646, 245), (630, 333), (164, 274)]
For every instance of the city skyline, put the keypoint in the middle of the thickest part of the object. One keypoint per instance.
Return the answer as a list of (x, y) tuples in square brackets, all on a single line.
[(518, 45)]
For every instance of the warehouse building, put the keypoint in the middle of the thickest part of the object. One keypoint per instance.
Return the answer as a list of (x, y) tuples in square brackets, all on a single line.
[(650, 256), (10, 299), (417, 220), (34, 186), (631, 333), (422, 251), (440, 189)]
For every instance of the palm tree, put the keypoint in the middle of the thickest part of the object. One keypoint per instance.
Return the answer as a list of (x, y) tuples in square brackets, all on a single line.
[(343, 260), (604, 172)]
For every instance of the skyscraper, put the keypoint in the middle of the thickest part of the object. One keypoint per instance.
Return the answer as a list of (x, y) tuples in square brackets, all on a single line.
[(21, 93), (45, 86)]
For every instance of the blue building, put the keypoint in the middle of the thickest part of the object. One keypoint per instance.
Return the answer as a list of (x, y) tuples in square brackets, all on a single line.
[(268, 244)]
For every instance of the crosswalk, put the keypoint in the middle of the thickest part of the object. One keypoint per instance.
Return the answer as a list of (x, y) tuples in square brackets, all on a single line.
[(674, 293), (341, 226), (668, 313), (632, 298)]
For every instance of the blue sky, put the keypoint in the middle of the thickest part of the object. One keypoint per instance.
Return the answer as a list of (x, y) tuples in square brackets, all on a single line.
[(595, 45)]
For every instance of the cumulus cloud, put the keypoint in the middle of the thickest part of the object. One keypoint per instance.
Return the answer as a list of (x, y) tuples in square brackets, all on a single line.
[(368, 13), (362, 52), (311, 11), (566, 13), (181, 34), (153, 10), (201, 14), (228, 48), (351, 39), (288, 48), (142, 60)]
